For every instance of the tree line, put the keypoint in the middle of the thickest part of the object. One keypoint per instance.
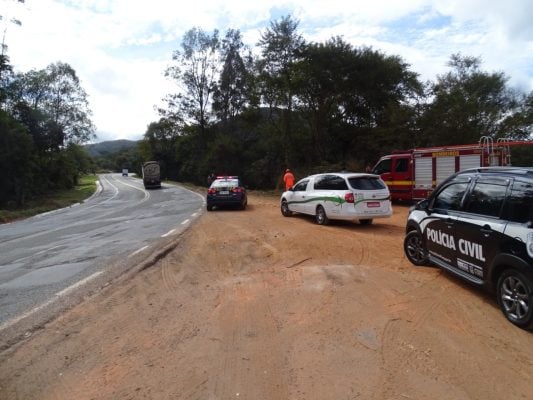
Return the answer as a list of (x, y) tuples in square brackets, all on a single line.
[(305, 105), (44, 120), (315, 106)]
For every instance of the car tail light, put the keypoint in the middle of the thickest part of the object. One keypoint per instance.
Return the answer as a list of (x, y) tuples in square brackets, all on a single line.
[(349, 197), (212, 191), (237, 190)]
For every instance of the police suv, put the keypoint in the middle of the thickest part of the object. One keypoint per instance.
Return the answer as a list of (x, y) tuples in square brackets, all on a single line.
[(478, 224)]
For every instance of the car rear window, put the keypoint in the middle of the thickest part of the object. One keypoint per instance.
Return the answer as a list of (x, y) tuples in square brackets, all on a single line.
[(330, 182), (225, 183), (366, 183)]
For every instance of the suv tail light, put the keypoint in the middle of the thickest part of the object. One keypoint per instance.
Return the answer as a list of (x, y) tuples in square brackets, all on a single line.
[(349, 197)]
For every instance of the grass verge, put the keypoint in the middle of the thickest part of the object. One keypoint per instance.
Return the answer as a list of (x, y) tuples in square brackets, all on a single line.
[(53, 201)]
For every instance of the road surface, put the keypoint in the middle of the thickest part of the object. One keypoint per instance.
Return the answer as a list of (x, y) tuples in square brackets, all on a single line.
[(44, 260)]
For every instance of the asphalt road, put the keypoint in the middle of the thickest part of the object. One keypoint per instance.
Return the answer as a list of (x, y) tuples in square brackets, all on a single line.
[(47, 258)]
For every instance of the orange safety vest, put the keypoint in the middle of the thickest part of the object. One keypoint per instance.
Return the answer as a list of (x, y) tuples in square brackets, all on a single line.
[(288, 178)]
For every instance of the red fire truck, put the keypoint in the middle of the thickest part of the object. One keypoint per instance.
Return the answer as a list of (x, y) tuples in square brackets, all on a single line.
[(413, 174)]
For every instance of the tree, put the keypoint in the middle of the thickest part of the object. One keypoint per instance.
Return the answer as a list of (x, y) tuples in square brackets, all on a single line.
[(281, 48), (194, 70), (6, 72), (519, 124), (467, 104), (233, 88), (56, 95), (160, 144), (16, 161), (67, 104), (352, 100)]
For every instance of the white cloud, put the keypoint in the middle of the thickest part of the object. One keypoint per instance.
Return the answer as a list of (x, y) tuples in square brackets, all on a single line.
[(120, 48)]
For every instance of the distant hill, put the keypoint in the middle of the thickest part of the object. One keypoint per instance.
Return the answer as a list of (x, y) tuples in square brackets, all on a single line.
[(110, 147)]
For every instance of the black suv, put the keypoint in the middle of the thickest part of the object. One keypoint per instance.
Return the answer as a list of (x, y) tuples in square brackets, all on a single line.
[(478, 224)]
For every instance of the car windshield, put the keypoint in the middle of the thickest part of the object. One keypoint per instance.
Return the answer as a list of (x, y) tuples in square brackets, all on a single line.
[(366, 183), (225, 183)]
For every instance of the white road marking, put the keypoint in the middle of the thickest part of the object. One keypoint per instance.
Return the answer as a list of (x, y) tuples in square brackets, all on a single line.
[(56, 297), (138, 251), (78, 284), (169, 233), (185, 222)]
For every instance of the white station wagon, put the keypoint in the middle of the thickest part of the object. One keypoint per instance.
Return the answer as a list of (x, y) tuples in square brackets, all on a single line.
[(343, 196)]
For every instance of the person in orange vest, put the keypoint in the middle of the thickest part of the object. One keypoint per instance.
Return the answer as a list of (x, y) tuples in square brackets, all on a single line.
[(288, 178)]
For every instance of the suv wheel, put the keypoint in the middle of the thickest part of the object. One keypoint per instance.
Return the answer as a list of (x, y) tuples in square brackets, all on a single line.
[(414, 248), (515, 296), (285, 209), (321, 217)]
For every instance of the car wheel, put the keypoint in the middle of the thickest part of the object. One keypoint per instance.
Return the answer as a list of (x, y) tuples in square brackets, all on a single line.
[(365, 221), (285, 209), (321, 217), (414, 248), (209, 208), (243, 205), (515, 296)]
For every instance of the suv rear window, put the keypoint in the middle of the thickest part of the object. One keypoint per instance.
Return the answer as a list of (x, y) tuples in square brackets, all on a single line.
[(366, 183)]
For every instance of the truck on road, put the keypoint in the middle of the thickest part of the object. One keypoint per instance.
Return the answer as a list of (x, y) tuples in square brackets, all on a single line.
[(151, 174)]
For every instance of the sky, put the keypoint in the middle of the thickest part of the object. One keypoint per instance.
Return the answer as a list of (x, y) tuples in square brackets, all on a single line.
[(121, 48)]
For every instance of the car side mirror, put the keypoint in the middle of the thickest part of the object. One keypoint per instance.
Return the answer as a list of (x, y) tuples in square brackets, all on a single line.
[(423, 205)]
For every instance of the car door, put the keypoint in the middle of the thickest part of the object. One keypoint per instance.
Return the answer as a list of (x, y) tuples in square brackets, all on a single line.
[(439, 228), (479, 228), (321, 192), (298, 196)]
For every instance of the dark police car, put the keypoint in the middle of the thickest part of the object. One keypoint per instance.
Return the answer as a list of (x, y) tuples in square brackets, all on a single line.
[(478, 224), (226, 191)]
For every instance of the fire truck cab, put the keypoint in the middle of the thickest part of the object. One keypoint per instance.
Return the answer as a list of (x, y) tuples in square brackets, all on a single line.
[(412, 175)]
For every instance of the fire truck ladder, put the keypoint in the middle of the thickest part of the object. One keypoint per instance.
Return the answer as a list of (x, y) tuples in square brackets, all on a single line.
[(506, 150), (487, 148), (500, 157)]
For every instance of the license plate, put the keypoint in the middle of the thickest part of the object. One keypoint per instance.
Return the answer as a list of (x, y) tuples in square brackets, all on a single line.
[(224, 192), (373, 204)]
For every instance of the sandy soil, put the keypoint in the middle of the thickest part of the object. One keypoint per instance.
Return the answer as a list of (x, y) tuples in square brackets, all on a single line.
[(252, 305)]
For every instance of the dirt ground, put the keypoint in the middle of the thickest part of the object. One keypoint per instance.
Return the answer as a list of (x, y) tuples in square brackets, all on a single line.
[(252, 305)]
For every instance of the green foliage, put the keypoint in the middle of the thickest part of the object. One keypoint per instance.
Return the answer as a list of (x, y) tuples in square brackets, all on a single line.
[(316, 107), (235, 86), (195, 69), (16, 163), (45, 117), (52, 104), (52, 201), (468, 103)]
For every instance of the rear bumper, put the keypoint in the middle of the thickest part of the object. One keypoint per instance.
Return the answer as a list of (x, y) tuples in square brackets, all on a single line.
[(225, 200), (350, 213)]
